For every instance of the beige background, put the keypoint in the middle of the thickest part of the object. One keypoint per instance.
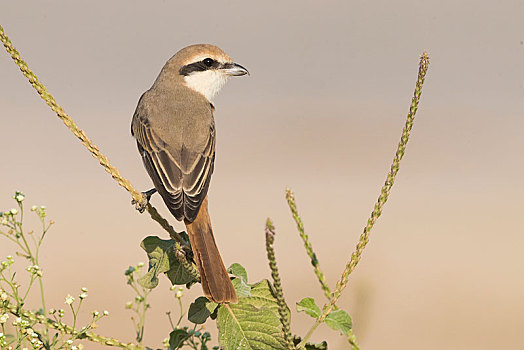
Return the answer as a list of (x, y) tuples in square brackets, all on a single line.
[(322, 112)]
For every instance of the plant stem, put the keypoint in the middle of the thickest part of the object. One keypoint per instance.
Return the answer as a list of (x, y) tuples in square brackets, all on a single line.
[(384, 195), (181, 311), (283, 309), (170, 320), (188, 266), (307, 244)]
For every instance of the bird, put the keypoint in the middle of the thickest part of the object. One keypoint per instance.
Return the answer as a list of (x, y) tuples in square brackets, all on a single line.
[(174, 128)]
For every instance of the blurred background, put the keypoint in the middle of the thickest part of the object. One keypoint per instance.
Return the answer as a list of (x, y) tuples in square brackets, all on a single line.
[(322, 112)]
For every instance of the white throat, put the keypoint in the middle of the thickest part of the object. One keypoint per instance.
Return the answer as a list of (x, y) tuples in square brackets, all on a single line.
[(208, 82)]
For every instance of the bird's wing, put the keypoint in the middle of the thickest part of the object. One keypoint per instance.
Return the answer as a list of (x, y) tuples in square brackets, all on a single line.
[(180, 174)]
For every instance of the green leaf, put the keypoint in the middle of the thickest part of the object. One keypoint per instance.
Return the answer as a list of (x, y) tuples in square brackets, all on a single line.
[(177, 338), (262, 295), (198, 311), (309, 307), (310, 346), (211, 306), (242, 288), (253, 323), (178, 274), (238, 270), (339, 320), (162, 259)]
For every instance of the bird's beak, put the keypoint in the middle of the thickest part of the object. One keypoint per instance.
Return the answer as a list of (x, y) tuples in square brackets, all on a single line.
[(233, 69)]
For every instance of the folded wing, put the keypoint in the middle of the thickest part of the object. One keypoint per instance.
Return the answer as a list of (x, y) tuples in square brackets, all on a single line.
[(180, 173)]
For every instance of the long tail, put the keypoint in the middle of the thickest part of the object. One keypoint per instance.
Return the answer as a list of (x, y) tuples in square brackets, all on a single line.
[(214, 278)]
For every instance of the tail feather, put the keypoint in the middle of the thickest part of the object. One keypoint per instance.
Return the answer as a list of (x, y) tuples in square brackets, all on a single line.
[(214, 278)]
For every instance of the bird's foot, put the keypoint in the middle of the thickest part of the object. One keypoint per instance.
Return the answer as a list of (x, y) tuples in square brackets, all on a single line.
[(141, 206)]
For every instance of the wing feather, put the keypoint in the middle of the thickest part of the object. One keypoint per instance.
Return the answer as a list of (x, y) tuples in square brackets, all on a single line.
[(181, 176)]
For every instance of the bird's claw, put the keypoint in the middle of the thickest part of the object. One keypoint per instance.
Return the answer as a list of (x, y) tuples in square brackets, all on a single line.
[(142, 205)]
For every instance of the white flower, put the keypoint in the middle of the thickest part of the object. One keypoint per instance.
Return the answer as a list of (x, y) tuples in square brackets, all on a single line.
[(140, 264), (22, 323), (4, 318), (69, 342), (69, 299), (13, 211), (74, 347), (17, 321), (3, 296), (19, 196), (106, 313), (84, 289), (34, 270)]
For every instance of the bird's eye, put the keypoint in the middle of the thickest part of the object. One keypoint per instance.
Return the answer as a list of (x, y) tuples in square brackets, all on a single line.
[(208, 62)]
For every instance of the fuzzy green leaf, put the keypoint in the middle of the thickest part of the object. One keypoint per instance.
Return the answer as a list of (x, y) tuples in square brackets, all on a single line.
[(177, 274), (211, 306), (339, 320), (309, 307), (177, 338), (162, 259), (238, 270), (253, 323), (198, 311), (241, 287), (213, 309)]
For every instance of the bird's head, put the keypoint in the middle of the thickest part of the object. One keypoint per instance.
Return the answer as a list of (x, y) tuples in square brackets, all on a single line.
[(206, 68)]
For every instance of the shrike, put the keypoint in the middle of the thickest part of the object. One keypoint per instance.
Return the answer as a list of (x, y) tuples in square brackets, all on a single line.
[(175, 132)]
